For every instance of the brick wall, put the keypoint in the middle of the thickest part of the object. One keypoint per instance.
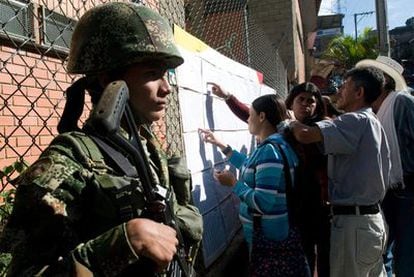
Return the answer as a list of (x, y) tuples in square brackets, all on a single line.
[(31, 86), (33, 80)]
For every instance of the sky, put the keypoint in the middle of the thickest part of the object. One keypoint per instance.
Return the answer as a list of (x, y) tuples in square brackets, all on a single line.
[(398, 12)]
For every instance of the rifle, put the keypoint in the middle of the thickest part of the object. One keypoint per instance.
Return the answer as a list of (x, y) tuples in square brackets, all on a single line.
[(105, 122)]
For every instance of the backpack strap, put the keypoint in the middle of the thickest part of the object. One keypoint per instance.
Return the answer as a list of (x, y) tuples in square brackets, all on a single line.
[(82, 149), (289, 184)]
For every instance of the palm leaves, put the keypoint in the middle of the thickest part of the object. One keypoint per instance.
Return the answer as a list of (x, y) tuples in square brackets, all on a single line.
[(346, 51)]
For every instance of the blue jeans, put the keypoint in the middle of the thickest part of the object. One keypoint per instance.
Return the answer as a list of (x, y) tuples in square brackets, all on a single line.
[(398, 207)]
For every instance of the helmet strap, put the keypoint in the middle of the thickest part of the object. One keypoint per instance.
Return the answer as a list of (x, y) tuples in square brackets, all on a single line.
[(75, 100)]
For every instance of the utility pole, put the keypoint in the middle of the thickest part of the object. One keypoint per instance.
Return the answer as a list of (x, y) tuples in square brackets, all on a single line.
[(356, 22), (382, 26)]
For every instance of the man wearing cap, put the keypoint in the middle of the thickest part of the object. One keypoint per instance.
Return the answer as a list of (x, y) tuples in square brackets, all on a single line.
[(358, 174), (395, 110), (80, 209)]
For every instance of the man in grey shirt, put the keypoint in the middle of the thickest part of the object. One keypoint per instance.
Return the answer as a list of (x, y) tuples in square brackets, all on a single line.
[(358, 171), (395, 110)]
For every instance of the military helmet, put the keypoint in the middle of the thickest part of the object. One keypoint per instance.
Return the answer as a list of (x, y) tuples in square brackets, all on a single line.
[(114, 35)]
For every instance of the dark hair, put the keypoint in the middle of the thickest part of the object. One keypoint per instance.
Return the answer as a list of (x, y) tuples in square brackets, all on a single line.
[(370, 78), (272, 106), (331, 110), (314, 90), (389, 83)]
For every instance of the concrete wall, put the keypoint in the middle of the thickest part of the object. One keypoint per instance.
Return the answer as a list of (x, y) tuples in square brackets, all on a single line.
[(282, 23)]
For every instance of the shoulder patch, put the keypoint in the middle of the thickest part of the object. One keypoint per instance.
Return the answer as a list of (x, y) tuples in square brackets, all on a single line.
[(50, 171), (38, 168)]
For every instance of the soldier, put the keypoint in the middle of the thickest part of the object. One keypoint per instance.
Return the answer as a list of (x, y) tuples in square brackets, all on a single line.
[(76, 211)]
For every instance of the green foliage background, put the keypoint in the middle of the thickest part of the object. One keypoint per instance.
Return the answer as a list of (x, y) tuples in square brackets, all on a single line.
[(6, 203), (346, 51)]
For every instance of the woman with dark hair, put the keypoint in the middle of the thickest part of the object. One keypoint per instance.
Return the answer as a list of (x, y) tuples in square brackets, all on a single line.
[(261, 186), (306, 105), (305, 100)]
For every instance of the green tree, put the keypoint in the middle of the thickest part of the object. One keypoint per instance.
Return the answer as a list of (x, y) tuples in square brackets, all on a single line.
[(346, 51)]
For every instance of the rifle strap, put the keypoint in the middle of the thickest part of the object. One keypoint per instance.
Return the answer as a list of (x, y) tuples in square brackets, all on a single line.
[(120, 160), (124, 200)]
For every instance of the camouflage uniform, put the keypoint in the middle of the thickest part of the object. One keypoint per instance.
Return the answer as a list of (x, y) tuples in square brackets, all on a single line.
[(69, 203)]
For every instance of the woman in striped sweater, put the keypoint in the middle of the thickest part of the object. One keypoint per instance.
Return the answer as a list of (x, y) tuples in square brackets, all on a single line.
[(261, 185)]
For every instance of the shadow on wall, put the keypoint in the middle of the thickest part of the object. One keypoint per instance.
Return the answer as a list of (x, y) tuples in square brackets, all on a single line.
[(219, 207)]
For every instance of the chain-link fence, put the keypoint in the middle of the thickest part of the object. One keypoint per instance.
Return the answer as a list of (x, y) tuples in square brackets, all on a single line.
[(34, 41), (230, 27)]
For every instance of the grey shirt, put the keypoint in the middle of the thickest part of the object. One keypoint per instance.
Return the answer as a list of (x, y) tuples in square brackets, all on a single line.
[(358, 158)]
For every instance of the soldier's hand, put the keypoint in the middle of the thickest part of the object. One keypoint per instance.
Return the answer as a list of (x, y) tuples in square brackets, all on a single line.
[(153, 240)]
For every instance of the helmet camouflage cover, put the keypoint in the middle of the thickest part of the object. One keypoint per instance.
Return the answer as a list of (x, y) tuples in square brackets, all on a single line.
[(114, 35)]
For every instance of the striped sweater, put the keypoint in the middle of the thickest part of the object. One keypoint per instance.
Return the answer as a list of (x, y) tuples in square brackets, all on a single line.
[(261, 187)]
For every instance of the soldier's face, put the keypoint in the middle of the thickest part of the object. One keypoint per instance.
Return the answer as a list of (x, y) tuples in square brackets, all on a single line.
[(148, 91)]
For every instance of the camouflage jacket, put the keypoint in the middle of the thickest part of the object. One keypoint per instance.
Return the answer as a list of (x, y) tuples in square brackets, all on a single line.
[(66, 208)]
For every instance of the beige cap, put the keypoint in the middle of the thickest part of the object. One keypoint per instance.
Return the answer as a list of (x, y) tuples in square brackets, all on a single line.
[(388, 66)]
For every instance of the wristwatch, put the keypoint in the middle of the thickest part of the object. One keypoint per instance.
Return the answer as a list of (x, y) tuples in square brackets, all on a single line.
[(227, 150)]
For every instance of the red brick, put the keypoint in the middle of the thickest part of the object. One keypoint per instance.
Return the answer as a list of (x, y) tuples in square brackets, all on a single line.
[(34, 92), (24, 141), (8, 89), (35, 153), (44, 112), (15, 152), (48, 65), (5, 78), (15, 131), (5, 57), (44, 103), (33, 55), (8, 49), (60, 106), (29, 121), (7, 120), (52, 122), (39, 130), (43, 83), (18, 111), (61, 77), (27, 82), (40, 73), (22, 101), (24, 60), (2, 153), (16, 69), (45, 140), (55, 94)]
